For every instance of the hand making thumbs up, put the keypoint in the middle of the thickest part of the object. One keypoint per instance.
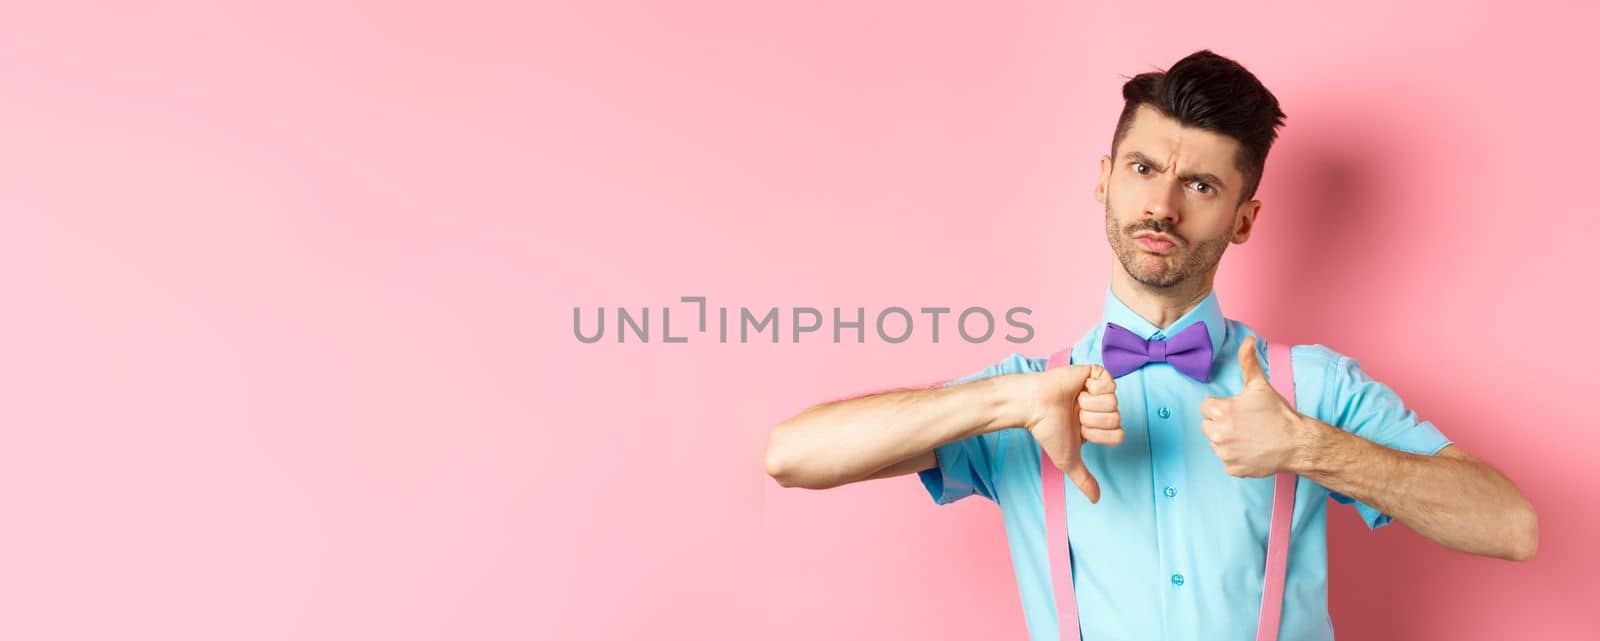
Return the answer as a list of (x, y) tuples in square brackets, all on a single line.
[(1256, 432)]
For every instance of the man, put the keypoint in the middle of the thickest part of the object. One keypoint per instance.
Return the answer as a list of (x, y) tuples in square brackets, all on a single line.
[(1174, 463)]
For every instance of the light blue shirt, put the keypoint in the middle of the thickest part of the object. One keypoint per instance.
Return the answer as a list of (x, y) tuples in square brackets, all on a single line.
[(1176, 548)]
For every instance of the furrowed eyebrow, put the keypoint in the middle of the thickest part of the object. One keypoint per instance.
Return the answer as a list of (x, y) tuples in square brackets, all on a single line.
[(1134, 156)]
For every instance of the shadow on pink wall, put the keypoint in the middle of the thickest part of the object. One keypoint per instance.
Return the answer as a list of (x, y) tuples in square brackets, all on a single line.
[(1354, 270)]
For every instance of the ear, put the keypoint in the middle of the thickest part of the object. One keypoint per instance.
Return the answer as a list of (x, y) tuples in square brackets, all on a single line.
[(1245, 221), (1105, 179)]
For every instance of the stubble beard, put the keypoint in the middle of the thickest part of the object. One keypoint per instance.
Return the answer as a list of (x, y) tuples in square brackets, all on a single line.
[(1156, 271)]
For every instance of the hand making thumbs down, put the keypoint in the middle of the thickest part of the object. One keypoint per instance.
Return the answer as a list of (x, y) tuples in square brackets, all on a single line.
[(1074, 405)]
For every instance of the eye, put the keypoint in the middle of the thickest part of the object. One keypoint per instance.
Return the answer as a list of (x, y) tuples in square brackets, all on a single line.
[(1202, 188), (1139, 168)]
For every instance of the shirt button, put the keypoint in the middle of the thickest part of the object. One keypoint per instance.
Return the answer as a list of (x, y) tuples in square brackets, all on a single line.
[(1163, 413), (1177, 579), (1170, 491)]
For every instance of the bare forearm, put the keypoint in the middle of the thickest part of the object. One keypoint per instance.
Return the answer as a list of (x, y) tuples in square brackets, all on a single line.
[(1458, 502), (845, 441)]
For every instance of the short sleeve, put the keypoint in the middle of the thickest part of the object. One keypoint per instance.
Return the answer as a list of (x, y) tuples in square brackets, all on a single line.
[(1358, 404), (969, 466)]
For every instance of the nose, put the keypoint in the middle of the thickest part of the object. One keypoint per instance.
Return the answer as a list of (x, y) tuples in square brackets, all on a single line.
[(1164, 201)]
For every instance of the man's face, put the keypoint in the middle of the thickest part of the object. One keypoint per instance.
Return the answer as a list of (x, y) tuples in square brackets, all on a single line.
[(1172, 200)]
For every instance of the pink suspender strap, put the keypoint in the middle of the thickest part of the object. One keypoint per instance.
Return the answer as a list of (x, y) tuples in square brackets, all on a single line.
[(1282, 510), (1059, 556)]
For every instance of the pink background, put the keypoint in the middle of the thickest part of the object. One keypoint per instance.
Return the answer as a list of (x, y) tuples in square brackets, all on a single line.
[(287, 350)]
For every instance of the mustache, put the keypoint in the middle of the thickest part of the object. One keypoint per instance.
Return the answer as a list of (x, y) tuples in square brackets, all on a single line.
[(1157, 225)]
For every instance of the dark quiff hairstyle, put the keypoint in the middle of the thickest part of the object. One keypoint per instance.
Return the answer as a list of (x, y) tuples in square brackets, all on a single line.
[(1210, 92)]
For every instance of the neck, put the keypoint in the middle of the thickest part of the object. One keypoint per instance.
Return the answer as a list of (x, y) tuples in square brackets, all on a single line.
[(1161, 306)]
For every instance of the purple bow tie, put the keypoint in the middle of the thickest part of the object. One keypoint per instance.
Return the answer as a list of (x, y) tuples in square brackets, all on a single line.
[(1122, 351)]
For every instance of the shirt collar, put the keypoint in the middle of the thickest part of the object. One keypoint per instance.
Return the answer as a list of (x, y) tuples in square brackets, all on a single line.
[(1207, 310)]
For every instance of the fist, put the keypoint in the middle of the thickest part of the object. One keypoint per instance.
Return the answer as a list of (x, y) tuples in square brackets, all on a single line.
[(1256, 432), (1072, 405)]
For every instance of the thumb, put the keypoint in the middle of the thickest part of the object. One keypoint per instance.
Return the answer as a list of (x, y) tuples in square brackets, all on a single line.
[(1079, 473), (1250, 365)]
